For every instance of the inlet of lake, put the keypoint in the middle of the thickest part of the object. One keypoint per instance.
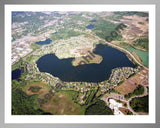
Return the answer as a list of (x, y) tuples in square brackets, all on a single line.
[(63, 68)]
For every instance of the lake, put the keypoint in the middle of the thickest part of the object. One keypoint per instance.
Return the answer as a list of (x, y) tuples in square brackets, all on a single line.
[(63, 69), (91, 26), (47, 41), (54, 33), (142, 54), (16, 74), (93, 21)]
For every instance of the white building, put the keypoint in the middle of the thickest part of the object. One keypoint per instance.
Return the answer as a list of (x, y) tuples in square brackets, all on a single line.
[(115, 106)]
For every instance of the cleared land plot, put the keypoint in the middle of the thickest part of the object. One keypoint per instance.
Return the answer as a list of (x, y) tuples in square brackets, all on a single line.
[(145, 82), (138, 78), (130, 85), (144, 72), (125, 111), (87, 60), (134, 28), (106, 95), (138, 91), (126, 87)]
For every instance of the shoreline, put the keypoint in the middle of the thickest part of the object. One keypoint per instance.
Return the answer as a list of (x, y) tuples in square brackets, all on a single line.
[(128, 54)]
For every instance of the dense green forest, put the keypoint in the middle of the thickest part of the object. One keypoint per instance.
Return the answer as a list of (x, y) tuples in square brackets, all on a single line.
[(98, 108), (140, 104), (23, 104)]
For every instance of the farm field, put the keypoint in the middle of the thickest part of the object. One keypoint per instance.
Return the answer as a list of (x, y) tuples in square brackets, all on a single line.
[(126, 87)]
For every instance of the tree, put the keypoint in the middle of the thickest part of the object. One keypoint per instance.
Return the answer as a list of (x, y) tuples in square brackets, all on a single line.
[(99, 108)]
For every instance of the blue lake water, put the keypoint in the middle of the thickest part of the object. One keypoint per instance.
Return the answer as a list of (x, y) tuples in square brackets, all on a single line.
[(47, 41), (63, 69), (54, 33), (91, 26), (93, 21), (16, 74)]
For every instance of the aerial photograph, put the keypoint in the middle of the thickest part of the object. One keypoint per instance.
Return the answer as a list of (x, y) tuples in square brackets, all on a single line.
[(80, 63)]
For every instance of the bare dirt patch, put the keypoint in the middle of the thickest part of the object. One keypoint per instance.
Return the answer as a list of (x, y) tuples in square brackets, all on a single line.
[(136, 26), (81, 51), (144, 72), (126, 87), (107, 95), (138, 78), (124, 110)]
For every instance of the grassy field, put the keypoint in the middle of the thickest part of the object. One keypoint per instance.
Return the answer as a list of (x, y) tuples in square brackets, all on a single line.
[(60, 104)]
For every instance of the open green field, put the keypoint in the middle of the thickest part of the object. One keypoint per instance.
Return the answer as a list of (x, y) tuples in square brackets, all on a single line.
[(144, 56)]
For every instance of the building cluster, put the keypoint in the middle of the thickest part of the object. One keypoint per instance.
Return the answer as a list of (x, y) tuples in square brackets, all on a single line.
[(120, 74), (19, 50)]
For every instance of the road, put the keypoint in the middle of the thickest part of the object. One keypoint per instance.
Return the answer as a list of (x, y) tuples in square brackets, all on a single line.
[(128, 101)]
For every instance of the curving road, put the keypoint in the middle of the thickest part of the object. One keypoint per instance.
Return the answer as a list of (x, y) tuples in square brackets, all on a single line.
[(128, 101)]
